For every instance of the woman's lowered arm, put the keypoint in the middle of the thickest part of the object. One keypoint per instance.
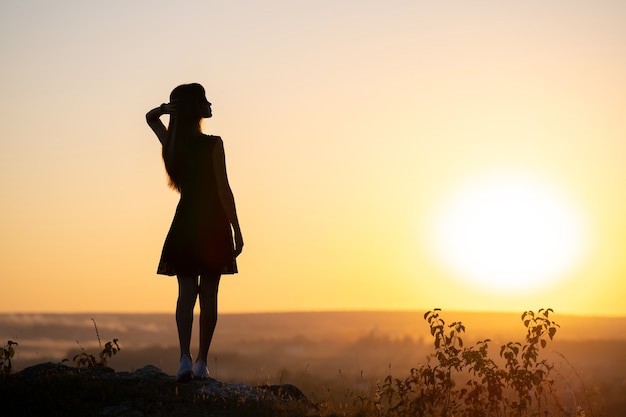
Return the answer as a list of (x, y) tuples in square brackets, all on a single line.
[(225, 193)]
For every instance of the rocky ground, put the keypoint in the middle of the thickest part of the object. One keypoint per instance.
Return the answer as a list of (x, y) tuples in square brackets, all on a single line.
[(51, 389)]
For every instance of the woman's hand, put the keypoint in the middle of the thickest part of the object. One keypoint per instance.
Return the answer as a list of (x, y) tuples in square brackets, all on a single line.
[(168, 108), (238, 242)]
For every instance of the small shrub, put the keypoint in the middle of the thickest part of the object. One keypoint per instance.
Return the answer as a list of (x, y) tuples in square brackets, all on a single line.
[(459, 380), (6, 354), (87, 360)]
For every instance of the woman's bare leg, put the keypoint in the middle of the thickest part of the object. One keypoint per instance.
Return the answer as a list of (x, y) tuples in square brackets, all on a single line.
[(187, 294), (209, 285)]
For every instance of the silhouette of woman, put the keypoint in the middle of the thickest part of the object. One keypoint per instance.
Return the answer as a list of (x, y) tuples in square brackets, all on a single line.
[(199, 247)]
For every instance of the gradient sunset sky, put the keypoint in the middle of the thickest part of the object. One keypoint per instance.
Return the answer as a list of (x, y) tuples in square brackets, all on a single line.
[(347, 125)]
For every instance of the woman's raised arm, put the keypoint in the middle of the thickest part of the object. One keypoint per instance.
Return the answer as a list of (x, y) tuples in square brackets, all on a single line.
[(155, 123)]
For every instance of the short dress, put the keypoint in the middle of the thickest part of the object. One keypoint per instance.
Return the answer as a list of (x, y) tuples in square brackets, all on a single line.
[(200, 239)]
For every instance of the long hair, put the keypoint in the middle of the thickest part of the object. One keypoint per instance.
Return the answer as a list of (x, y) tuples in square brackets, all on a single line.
[(184, 127)]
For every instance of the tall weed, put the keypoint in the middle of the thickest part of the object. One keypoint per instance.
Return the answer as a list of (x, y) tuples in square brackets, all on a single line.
[(466, 381)]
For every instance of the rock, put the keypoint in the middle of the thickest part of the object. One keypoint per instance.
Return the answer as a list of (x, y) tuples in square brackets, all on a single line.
[(286, 391), (120, 410), (149, 371), (146, 391)]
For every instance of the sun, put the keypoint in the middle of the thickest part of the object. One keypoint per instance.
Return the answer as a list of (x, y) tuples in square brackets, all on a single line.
[(508, 232)]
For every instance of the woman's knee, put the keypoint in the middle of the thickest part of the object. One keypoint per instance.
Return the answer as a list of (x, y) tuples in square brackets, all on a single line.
[(187, 289), (209, 284), (208, 292)]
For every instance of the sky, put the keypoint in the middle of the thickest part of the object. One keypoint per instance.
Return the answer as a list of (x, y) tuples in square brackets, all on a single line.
[(348, 126)]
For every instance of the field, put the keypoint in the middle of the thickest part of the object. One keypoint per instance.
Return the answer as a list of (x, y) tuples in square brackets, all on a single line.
[(333, 357)]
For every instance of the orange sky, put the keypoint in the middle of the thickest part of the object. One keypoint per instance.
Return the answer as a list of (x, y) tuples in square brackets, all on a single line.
[(345, 125)]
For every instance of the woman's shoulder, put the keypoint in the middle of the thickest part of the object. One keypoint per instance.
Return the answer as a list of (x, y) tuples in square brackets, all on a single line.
[(212, 138), (210, 141)]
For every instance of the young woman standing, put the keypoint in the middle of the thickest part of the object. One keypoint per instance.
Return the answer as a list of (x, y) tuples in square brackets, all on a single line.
[(204, 238)]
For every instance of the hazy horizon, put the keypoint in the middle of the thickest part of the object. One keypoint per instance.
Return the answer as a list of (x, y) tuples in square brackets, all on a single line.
[(328, 311), (160, 328)]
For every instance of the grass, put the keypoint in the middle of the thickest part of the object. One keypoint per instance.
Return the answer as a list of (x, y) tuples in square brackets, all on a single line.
[(454, 380), (473, 381)]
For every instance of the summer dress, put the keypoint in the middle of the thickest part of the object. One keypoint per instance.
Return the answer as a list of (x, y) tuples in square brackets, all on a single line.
[(200, 239)]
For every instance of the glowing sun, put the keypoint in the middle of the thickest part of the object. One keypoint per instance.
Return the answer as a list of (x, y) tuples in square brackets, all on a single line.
[(508, 232)]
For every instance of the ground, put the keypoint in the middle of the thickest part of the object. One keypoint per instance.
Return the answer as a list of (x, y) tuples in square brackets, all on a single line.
[(51, 389)]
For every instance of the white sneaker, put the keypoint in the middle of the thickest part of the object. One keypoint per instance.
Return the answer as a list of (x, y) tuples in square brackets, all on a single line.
[(200, 370), (184, 372)]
